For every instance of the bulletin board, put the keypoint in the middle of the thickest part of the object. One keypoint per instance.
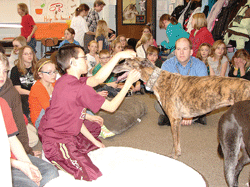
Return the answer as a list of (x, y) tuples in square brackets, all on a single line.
[(53, 10), (40, 10)]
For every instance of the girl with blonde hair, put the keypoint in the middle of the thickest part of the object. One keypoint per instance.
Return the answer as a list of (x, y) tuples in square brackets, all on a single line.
[(240, 65), (200, 34), (101, 35), (17, 43), (146, 30), (204, 51), (218, 61), (122, 38), (143, 44), (92, 56), (115, 46), (22, 74)]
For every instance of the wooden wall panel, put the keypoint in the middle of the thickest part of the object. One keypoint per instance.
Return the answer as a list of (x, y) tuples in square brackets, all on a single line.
[(132, 31)]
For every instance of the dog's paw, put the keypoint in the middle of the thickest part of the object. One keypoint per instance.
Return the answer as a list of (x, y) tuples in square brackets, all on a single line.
[(175, 155)]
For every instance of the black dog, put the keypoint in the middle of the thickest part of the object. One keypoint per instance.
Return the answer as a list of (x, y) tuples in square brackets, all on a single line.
[(234, 134)]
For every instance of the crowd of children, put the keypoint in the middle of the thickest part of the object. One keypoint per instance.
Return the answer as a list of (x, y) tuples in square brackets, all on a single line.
[(65, 120)]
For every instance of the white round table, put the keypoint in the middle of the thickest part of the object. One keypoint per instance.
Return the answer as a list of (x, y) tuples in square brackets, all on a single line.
[(123, 166)]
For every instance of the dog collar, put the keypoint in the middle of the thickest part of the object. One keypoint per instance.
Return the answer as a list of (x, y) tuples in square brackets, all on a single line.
[(152, 79)]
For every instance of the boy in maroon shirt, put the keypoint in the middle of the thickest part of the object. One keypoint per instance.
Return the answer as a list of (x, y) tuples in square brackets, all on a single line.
[(66, 131)]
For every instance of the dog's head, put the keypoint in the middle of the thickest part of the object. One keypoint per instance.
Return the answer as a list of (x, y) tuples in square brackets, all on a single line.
[(137, 63)]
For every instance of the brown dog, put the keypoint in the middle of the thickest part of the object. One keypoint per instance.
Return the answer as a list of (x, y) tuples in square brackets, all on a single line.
[(233, 133), (187, 96)]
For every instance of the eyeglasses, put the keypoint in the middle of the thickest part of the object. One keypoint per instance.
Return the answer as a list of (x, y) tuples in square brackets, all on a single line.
[(26, 54), (84, 57), (50, 72)]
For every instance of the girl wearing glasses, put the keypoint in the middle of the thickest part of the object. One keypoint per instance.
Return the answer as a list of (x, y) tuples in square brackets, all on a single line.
[(40, 93), (22, 75)]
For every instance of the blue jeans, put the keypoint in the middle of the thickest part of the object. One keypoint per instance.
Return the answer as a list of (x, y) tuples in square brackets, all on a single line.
[(32, 44), (47, 170)]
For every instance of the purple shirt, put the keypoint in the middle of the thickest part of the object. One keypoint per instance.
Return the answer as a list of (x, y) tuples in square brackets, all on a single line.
[(64, 117)]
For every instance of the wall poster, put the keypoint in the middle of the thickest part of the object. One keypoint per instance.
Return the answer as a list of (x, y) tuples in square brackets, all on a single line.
[(53, 10), (134, 12)]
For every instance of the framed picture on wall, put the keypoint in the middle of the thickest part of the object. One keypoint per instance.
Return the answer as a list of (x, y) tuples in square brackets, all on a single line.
[(134, 12)]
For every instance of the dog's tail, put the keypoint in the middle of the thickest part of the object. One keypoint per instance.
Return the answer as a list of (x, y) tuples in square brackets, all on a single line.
[(220, 151)]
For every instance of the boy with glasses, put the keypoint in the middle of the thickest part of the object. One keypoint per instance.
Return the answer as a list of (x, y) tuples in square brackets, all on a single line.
[(67, 132)]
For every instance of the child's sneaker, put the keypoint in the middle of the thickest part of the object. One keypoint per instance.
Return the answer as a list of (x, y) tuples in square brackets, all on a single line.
[(105, 133)]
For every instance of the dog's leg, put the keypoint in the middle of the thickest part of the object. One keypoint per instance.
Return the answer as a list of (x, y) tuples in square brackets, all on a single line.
[(175, 128), (230, 145), (241, 163)]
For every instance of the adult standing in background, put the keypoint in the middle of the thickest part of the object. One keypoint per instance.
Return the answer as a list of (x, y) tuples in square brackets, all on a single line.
[(28, 25), (92, 20), (79, 24)]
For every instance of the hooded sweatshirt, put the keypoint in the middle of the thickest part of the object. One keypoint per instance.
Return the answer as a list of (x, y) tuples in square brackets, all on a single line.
[(10, 94)]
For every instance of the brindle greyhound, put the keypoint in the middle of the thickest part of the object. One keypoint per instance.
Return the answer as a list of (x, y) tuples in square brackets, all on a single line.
[(187, 96), (233, 133)]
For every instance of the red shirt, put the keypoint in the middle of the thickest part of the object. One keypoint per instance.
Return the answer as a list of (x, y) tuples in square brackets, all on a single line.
[(64, 117), (202, 36), (9, 121), (27, 23)]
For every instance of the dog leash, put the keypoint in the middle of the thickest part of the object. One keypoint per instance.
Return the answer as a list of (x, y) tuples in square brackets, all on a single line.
[(152, 79), (189, 67)]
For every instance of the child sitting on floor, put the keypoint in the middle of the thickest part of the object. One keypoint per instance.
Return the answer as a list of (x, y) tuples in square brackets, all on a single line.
[(69, 36), (204, 51), (67, 133), (143, 44), (17, 43), (92, 57), (41, 92), (152, 56), (110, 83), (123, 40), (116, 46)]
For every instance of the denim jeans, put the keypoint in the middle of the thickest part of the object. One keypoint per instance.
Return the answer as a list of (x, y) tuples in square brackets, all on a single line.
[(32, 44), (47, 170)]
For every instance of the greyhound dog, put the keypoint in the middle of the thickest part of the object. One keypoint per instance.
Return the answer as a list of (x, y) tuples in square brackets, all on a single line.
[(187, 96), (234, 134)]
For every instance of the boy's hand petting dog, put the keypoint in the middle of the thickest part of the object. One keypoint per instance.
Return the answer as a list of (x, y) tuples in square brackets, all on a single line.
[(103, 93), (126, 54), (133, 76)]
